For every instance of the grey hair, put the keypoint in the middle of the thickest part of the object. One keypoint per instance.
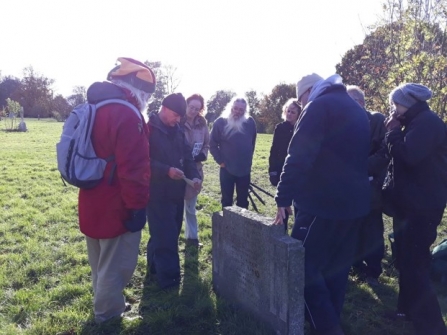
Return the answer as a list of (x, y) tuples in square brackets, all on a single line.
[(227, 112), (356, 93), (142, 97)]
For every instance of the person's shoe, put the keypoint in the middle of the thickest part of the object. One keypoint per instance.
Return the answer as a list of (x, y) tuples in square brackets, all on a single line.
[(193, 242), (371, 281)]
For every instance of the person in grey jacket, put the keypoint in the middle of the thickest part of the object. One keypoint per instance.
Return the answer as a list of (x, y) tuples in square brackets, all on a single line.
[(232, 144), (198, 136)]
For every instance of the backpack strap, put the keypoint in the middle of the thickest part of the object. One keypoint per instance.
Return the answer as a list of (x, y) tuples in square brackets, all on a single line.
[(121, 102)]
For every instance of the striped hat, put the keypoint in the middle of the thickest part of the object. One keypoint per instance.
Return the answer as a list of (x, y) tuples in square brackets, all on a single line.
[(135, 73)]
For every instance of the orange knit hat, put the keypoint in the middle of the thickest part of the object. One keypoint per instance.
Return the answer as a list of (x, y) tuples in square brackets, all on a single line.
[(135, 73)]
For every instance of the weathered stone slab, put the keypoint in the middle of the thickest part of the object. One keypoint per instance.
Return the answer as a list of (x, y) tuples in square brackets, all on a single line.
[(259, 268)]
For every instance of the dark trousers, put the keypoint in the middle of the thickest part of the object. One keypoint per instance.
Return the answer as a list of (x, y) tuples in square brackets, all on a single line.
[(165, 223), (414, 233), (227, 183), (330, 247), (371, 245)]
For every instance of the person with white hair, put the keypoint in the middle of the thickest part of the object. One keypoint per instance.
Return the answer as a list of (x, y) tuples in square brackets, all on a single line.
[(326, 176), (232, 144), (371, 248), (112, 214), (416, 189)]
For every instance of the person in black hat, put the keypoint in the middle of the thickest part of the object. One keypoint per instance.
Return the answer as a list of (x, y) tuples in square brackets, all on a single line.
[(171, 163)]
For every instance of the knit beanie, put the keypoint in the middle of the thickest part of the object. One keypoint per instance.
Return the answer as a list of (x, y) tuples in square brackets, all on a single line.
[(409, 94), (175, 102), (305, 83), (134, 73)]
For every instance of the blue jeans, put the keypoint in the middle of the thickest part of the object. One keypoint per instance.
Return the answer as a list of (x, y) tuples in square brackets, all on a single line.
[(227, 183), (191, 226)]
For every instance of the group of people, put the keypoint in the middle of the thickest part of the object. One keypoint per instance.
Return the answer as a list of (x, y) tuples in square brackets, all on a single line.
[(155, 176), (329, 159), (345, 166)]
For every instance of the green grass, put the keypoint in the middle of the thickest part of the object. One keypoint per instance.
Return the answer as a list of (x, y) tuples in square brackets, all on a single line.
[(45, 283)]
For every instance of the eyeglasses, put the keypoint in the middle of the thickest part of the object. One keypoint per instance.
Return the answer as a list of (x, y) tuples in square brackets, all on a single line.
[(194, 108), (240, 110)]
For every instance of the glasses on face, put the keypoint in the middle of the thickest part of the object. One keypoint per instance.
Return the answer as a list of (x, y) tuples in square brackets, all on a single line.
[(193, 108)]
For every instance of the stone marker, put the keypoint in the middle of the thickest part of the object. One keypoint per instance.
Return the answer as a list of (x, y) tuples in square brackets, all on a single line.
[(259, 268)]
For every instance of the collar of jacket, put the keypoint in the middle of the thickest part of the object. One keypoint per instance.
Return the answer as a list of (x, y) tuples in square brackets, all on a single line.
[(413, 111), (198, 122), (333, 88)]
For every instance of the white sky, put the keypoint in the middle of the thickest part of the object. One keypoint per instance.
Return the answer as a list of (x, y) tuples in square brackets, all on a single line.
[(231, 44)]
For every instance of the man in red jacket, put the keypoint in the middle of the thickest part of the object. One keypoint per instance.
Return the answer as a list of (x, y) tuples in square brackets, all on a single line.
[(112, 214)]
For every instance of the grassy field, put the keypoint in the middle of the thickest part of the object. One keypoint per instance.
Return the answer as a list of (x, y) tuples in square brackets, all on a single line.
[(45, 283)]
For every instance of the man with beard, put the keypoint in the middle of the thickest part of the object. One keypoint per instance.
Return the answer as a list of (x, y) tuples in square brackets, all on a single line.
[(112, 214), (232, 144)]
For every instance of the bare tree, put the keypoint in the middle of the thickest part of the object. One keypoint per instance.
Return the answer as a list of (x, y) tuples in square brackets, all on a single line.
[(172, 81)]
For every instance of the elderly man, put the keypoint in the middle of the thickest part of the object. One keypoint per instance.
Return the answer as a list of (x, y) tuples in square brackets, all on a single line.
[(172, 165), (326, 176), (368, 263), (232, 144), (112, 214)]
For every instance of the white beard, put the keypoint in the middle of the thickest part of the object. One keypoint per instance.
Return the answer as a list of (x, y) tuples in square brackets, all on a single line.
[(235, 125)]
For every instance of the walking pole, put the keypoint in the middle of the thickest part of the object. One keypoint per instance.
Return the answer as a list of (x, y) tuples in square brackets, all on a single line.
[(253, 203), (256, 194), (262, 190)]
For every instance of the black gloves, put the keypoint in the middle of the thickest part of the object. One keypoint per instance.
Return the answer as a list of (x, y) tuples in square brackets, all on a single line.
[(200, 157), (274, 178), (137, 220)]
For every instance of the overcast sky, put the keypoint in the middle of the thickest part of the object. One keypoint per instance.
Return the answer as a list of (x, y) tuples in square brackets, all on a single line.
[(234, 44)]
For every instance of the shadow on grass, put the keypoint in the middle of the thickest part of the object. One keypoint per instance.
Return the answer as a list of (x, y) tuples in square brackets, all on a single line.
[(365, 306), (113, 326), (185, 310)]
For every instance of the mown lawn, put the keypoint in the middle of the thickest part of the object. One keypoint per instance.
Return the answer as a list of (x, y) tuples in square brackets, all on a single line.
[(45, 277)]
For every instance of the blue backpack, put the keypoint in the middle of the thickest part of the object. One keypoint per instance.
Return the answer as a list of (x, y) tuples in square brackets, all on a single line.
[(77, 161)]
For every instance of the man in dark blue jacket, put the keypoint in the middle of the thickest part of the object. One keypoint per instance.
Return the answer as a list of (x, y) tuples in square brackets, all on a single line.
[(171, 163), (326, 175)]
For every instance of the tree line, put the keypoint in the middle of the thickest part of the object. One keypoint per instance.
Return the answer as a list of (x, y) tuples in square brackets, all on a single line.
[(34, 93), (407, 44)]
